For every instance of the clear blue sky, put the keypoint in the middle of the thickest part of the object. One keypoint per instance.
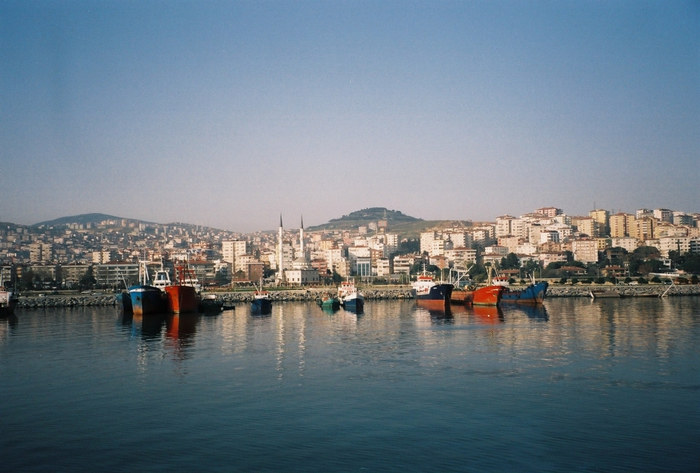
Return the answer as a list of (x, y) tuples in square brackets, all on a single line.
[(227, 113)]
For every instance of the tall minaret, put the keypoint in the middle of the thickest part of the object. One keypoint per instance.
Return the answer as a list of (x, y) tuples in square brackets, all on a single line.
[(280, 265), (301, 240)]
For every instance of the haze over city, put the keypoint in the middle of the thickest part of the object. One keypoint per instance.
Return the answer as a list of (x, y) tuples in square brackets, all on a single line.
[(227, 114)]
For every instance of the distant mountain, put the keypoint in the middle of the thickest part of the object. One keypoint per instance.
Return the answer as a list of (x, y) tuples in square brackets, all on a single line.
[(365, 217), (79, 219)]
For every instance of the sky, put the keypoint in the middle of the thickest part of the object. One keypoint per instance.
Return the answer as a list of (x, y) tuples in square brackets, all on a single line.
[(230, 113)]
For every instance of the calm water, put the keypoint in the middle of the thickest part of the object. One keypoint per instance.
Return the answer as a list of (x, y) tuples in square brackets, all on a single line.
[(596, 386)]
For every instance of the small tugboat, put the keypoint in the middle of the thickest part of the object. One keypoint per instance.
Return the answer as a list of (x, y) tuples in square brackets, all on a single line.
[(350, 298), (262, 301)]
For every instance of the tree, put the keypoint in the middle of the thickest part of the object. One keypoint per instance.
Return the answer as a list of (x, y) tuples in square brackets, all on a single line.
[(511, 261), (88, 280)]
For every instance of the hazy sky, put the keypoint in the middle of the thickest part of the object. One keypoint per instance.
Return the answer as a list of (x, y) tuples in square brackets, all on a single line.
[(228, 113)]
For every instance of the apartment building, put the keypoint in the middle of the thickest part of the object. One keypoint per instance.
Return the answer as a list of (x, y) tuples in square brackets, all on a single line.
[(585, 250)]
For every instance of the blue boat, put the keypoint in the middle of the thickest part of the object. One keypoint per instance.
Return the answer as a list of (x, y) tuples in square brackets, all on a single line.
[(262, 302), (147, 300), (532, 294), (350, 298)]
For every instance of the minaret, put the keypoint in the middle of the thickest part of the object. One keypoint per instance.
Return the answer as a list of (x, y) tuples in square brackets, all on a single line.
[(280, 265), (301, 240)]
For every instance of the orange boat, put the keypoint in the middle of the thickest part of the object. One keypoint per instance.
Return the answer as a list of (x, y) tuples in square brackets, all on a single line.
[(183, 296), (489, 295)]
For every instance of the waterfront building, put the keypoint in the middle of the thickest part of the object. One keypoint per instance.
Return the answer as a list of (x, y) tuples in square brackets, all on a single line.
[(116, 274), (402, 264), (383, 267), (301, 277)]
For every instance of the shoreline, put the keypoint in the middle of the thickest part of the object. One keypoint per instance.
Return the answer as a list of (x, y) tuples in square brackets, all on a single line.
[(370, 293)]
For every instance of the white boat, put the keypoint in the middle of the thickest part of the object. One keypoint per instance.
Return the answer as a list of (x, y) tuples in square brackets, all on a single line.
[(350, 298)]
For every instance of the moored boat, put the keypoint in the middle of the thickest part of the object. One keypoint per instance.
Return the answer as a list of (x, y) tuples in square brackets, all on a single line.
[(262, 301), (183, 295), (328, 302), (534, 293), (8, 301), (350, 298), (210, 304), (487, 295), (146, 299), (430, 294)]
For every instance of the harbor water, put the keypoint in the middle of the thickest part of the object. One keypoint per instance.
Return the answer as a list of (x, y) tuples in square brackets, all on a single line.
[(610, 385)]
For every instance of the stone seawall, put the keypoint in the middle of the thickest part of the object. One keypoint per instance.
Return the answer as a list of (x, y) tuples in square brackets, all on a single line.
[(370, 293)]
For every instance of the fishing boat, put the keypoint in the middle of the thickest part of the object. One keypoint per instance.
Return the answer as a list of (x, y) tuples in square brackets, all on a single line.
[(183, 295), (8, 301), (465, 292), (534, 293), (430, 294), (328, 302), (146, 299), (262, 301), (210, 304), (350, 298)]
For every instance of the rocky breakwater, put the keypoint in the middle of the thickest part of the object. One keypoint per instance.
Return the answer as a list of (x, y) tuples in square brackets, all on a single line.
[(312, 294), (66, 300), (644, 290)]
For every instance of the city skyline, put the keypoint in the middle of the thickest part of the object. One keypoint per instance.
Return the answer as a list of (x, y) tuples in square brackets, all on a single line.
[(226, 114)]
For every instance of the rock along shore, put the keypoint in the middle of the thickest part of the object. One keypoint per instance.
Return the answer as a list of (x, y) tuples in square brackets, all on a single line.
[(370, 293)]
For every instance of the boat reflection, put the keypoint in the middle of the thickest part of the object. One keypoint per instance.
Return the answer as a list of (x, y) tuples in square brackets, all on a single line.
[(533, 311), (181, 326), (487, 314), (149, 326)]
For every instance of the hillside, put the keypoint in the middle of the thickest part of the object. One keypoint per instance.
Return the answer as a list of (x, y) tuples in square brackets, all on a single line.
[(397, 222), (365, 217), (79, 219)]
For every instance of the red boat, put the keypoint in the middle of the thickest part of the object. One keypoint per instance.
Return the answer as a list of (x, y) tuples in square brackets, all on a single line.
[(488, 295), (183, 296)]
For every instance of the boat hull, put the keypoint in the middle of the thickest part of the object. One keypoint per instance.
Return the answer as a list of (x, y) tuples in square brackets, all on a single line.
[(146, 300), (533, 294), (489, 295), (261, 306), (483, 296), (329, 303), (8, 301), (437, 298), (182, 299), (353, 303)]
